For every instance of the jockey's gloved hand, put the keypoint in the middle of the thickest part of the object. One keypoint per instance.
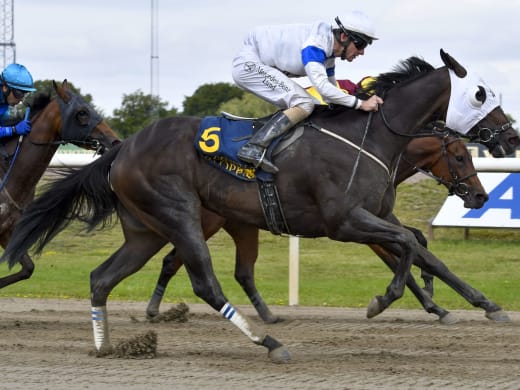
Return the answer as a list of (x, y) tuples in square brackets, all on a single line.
[(23, 127)]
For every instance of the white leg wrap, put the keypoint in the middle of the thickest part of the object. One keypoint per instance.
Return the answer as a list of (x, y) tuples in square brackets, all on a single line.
[(233, 315), (100, 326)]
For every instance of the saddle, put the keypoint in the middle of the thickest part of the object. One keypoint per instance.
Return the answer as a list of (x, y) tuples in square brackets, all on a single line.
[(218, 140)]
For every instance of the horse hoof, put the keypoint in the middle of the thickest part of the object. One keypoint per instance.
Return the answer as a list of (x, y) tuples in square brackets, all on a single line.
[(448, 319), (498, 316), (274, 320), (374, 308), (280, 355), (151, 315)]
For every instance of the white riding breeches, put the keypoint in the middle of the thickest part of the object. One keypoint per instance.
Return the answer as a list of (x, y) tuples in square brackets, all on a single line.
[(269, 83)]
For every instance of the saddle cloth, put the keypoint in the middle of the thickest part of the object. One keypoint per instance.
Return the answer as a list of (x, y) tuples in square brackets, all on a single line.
[(219, 138)]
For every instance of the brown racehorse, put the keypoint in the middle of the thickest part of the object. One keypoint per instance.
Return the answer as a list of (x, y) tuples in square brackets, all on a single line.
[(444, 157), (157, 182), (67, 118)]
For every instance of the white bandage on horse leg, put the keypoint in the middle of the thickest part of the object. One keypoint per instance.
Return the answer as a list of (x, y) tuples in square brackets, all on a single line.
[(100, 326), (249, 329)]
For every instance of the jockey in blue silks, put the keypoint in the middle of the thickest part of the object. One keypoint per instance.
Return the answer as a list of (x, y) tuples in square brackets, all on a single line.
[(16, 82)]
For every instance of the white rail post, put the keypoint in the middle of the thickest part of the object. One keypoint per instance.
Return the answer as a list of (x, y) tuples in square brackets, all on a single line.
[(294, 270)]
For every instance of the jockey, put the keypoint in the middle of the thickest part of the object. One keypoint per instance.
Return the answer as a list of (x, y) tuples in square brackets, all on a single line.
[(272, 55), (15, 82)]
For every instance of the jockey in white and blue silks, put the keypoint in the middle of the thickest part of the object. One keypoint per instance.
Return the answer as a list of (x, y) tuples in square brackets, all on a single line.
[(272, 55), (15, 82)]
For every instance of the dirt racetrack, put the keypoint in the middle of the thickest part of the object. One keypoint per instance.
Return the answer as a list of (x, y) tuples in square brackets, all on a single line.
[(45, 344)]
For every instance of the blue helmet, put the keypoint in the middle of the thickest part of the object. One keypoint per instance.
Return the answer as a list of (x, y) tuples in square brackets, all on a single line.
[(18, 77)]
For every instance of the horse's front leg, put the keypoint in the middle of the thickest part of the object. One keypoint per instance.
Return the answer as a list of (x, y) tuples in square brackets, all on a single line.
[(245, 238), (170, 265), (362, 226), (426, 277), (25, 261), (437, 268), (206, 286), (422, 296), (211, 223)]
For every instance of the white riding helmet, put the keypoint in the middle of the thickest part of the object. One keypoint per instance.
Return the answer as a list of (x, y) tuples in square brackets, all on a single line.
[(359, 23)]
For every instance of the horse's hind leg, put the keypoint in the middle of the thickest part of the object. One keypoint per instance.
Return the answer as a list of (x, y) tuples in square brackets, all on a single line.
[(246, 242), (25, 273), (133, 254)]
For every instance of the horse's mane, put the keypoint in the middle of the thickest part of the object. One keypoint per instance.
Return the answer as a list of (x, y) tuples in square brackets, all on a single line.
[(406, 71), (39, 101)]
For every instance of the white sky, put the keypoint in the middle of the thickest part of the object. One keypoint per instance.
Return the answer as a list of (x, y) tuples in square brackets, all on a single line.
[(104, 46)]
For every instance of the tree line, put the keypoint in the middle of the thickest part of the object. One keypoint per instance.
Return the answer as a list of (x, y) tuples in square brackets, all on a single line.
[(139, 110)]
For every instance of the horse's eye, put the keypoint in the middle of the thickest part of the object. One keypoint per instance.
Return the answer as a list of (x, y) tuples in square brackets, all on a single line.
[(459, 158), (478, 97), (82, 116)]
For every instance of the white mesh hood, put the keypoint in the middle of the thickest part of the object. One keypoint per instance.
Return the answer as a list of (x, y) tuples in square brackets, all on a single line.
[(463, 112)]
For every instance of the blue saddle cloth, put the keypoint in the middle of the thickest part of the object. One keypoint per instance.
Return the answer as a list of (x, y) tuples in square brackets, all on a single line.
[(218, 141)]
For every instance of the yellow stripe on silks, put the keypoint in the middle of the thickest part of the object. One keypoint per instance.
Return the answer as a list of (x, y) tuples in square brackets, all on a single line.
[(315, 94), (363, 84)]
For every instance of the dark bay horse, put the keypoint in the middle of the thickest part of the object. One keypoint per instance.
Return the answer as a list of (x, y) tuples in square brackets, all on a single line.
[(67, 118), (157, 184), (443, 156)]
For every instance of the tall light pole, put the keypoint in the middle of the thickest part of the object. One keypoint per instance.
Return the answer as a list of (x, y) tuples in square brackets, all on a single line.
[(154, 52), (7, 45)]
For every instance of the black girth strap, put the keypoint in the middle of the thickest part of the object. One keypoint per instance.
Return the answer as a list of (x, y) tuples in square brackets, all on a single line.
[(271, 208)]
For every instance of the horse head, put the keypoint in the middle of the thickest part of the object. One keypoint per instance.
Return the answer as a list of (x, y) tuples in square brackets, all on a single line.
[(475, 111), (444, 157), (81, 125)]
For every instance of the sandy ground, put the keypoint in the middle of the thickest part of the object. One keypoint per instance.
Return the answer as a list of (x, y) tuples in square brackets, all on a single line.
[(47, 344)]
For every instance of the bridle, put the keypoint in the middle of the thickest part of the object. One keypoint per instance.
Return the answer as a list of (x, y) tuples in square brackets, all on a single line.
[(77, 130), (488, 136), (456, 186), (438, 129)]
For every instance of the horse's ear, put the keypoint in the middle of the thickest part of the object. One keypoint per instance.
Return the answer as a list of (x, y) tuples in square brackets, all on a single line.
[(452, 64), (60, 90), (65, 84)]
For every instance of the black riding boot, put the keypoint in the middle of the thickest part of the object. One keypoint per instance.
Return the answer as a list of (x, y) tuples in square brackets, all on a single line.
[(254, 150)]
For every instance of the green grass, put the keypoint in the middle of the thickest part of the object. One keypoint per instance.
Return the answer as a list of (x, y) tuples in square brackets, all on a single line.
[(331, 273)]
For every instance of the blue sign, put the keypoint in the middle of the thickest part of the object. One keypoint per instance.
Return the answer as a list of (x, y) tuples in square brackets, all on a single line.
[(502, 197), (501, 210)]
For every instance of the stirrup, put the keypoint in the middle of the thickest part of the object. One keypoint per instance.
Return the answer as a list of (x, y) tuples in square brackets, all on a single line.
[(253, 160), (268, 166)]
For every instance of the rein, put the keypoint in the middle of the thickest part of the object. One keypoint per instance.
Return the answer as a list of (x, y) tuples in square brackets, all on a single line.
[(95, 144), (354, 170), (350, 143), (15, 155), (392, 130)]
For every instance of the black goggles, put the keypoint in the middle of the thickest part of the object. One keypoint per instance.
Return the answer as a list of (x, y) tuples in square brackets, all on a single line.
[(358, 41), (18, 93)]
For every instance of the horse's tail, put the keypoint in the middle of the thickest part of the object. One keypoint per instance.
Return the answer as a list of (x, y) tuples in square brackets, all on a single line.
[(82, 194)]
